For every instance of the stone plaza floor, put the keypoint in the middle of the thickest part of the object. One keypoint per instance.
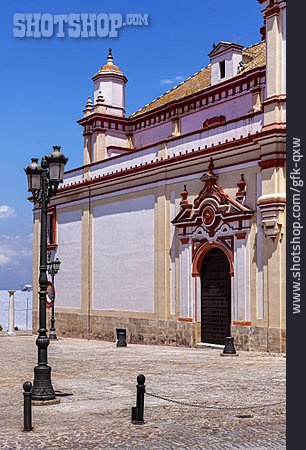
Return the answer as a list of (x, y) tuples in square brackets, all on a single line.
[(102, 379)]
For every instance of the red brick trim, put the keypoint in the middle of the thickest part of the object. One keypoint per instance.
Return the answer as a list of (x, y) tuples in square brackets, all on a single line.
[(184, 240), (95, 117), (214, 150), (213, 122), (87, 184), (173, 138), (201, 252), (185, 319), (272, 12), (275, 99), (240, 235), (241, 324), (52, 247), (164, 162), (273, 162)]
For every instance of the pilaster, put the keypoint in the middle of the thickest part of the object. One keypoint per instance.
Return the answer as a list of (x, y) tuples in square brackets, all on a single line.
[(161, 256)]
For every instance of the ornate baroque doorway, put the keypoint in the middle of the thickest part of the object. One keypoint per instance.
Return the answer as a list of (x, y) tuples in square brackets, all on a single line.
[(215, 297)]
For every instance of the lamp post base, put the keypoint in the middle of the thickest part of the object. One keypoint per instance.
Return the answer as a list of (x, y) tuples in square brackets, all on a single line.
[(42, 386)]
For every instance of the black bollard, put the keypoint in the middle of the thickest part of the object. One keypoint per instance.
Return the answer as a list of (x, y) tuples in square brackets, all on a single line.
[(229, 348), (121, 338), (138, 410), (27, 406)]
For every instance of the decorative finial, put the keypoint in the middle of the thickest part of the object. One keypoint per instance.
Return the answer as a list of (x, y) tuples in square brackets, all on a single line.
[(240, 194), (184, 196), (211, 166), (110, 59), (89, 104), (214, 45)]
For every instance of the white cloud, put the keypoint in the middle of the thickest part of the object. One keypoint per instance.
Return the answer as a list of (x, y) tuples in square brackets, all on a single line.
[(15, 261), (4, 260), (26, 251), (6, 212), (167, 81), (14, 250), (7, 254), (172, 80)]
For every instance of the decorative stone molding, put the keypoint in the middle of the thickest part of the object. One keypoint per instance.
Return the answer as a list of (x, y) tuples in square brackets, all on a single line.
[(200, 250), (213, 220), (213, 210), (213, 121), (271, 207), (88, 107), (241, 185)]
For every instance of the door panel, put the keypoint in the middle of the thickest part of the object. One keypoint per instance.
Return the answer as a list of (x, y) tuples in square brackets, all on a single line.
[(215, 298)]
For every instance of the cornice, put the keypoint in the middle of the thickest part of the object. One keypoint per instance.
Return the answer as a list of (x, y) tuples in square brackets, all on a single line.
[(170, 139)]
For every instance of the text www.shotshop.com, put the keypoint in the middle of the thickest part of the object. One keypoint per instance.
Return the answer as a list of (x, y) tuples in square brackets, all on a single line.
[(296, 184)]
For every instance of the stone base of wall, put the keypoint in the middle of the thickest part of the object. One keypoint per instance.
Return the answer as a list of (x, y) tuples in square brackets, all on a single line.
[(138, 331), (259, 338), (162, 332)]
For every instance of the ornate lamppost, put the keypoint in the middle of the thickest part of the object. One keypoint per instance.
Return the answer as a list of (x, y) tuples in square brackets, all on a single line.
[(43, 181), (53, 268)]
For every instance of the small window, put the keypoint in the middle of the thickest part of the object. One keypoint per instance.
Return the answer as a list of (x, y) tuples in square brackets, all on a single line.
[(222, 69)]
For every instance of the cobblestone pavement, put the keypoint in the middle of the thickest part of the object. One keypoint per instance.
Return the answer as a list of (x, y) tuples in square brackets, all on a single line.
[(102, 379)]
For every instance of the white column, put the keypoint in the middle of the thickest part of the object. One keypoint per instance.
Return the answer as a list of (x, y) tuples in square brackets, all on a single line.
[(11, 330), (241, 307), (172, 256), (185, 282), (260, 251)]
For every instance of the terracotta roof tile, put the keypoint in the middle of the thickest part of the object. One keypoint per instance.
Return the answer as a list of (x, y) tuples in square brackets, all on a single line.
[(201, 80), (110, 67)]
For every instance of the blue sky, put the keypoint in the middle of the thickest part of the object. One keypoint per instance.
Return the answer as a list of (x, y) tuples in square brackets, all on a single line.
[(45, 83)]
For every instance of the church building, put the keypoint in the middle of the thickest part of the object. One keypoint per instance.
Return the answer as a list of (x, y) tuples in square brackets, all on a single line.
[(173, 229)]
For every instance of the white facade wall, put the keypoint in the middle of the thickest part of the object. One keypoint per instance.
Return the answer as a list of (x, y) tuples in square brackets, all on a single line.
[(219, 134), (123, 261), (124, 162), (68, 279), (231, 109), (154, 133)]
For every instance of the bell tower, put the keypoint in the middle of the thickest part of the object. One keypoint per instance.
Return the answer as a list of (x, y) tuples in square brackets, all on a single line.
[(104, 123), (110, 82)]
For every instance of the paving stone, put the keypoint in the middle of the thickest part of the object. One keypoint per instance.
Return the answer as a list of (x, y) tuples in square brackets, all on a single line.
[(102, 379)]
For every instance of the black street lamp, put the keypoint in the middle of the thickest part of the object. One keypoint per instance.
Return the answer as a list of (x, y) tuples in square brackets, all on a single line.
[(53, 268), (43, 181)]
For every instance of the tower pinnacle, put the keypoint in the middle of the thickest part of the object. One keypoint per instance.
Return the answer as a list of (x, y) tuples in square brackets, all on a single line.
[(110, 59)]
